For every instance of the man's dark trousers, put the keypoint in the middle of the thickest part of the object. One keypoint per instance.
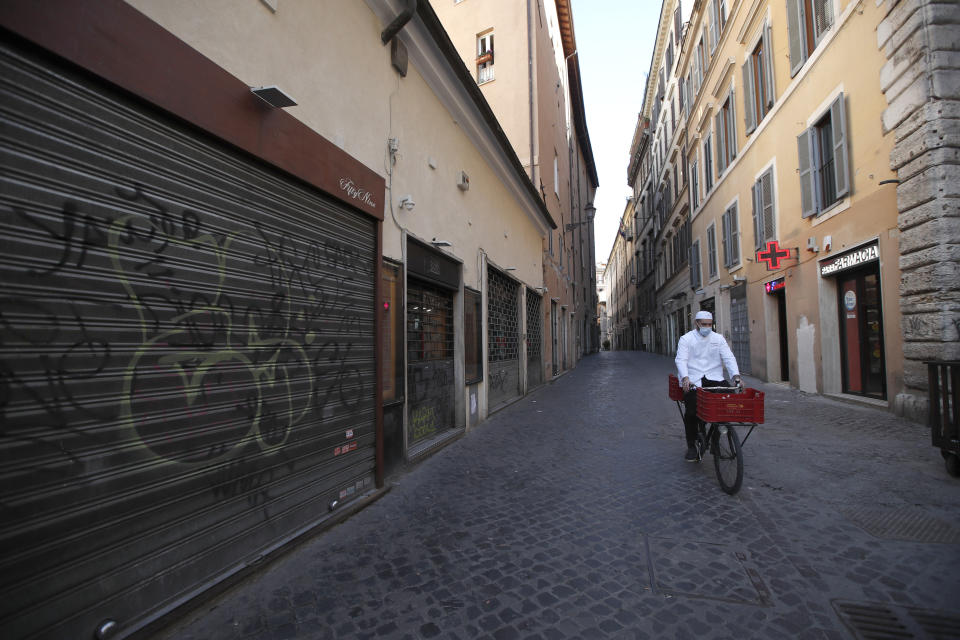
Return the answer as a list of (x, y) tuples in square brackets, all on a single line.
[(690, 420)]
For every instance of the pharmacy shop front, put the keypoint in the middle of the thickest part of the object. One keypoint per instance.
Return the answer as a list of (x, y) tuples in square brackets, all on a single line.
[(857, 277)]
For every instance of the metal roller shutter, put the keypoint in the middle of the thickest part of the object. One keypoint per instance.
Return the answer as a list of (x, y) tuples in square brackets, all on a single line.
[(186, 355), (503, 336), (534, 339)]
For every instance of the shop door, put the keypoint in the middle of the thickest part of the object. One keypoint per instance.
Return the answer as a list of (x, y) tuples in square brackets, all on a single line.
[(740, 327), (186, 355), (781, 296), (503, 335), (861, 334), (534, 339), (553, 337), (430, 376)]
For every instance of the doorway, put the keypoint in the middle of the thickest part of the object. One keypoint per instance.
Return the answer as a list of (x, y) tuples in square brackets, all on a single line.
[(861, 334), (781, 297)]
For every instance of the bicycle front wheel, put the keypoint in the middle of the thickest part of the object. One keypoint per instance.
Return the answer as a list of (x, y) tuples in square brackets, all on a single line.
[(727, 458)]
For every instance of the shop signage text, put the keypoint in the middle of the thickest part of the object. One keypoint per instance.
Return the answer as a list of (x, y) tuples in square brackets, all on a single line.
[(349, 187), (775, 285), (850, 260)]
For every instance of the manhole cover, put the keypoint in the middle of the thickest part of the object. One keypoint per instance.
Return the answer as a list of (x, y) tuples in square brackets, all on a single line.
[(903, 523), (704, 570), (877, 621)]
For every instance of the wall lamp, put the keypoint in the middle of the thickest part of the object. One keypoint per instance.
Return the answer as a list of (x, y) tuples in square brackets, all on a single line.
[(590, 210), (273, 96), (406, 202), (440, 243)]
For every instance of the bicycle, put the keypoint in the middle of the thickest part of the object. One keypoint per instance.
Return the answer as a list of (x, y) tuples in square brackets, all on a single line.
[(724, 409)]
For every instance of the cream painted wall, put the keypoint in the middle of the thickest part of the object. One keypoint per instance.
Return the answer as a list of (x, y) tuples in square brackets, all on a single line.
[(509, 91), (327, 54)]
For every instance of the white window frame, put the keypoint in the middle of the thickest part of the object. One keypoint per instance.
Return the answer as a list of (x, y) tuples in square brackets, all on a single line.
[(485, 43)]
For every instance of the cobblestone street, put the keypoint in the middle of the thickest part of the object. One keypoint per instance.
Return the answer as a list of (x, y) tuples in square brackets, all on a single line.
[(572, 514)]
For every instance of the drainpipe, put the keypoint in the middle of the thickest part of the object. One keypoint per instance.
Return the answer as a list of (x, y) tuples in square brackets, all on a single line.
[(398, 23), (533, 172)]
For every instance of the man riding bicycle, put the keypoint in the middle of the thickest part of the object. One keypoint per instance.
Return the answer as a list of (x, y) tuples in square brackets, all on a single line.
[(701, 357)]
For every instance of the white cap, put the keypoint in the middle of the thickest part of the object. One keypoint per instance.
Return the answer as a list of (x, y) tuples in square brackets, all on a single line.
[(703, 315)]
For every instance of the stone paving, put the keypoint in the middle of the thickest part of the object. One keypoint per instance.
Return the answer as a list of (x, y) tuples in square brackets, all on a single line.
[(572, 514)]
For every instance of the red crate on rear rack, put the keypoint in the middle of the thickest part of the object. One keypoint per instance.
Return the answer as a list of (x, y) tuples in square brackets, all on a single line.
[(673, 388), (730, 407)]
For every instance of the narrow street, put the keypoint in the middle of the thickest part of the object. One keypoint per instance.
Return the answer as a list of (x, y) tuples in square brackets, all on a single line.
[(572, 514)]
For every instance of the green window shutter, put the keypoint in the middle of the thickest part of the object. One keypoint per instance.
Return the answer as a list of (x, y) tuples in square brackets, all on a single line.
[(841, 158), (766, 201), (749, 97), (757, 215), (767, 55), (797, 34), (808, 205)]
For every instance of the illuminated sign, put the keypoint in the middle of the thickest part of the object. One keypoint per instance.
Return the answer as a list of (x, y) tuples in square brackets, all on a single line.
[(850, 260), (773, 255), (775, 285)]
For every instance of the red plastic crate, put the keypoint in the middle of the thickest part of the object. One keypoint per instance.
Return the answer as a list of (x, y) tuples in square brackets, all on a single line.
[(673, 388), (730, 407)]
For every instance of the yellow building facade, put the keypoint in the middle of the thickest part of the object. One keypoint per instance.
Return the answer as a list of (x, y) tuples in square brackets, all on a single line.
[(772, 144)]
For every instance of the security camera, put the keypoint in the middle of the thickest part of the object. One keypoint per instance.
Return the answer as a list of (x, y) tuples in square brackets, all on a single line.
[(407, 203)]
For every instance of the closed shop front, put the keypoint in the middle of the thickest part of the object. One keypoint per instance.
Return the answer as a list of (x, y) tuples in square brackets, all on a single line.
[(187, 359), (740, 327), (503, 338), (432, 280), (534, 339), (857, 275)]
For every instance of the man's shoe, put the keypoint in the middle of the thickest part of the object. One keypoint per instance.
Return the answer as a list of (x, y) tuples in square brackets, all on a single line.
[(692, 455)]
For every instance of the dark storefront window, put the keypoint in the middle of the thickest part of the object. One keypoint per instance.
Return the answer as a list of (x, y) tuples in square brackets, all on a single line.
[(473, 336), (392, 366), (429, 324)]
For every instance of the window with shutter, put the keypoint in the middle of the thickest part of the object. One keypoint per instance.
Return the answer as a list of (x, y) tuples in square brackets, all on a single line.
[(749, 97), (712, 250), (725, 237), (708, 164), (807, 22), (734, 225), (714, 26), (694, 185), (757, 216), (823, 156), (766, 202)]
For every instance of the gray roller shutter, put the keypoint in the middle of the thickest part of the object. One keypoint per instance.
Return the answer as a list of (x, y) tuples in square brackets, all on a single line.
[(186, 355)]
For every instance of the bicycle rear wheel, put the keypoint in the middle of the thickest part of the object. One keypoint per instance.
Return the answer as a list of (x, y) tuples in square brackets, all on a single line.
[(727, 458)]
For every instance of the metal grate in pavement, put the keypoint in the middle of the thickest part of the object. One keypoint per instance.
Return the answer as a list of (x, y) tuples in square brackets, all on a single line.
[(877, 621), (902, 523)]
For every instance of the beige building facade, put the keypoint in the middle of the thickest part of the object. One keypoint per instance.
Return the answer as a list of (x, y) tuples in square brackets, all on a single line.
[(524, 57)]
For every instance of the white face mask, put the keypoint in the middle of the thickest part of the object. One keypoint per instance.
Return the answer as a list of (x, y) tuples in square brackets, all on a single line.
[(704, 331)]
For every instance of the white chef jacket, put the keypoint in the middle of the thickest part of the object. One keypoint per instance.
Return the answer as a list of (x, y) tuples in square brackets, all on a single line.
[(699, 357)]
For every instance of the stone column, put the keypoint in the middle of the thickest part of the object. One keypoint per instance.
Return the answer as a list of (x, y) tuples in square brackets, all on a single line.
[(921, 81)]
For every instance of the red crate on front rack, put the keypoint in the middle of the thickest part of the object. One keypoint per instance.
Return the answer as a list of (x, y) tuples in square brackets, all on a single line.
[(673, 388), (730, 407)]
